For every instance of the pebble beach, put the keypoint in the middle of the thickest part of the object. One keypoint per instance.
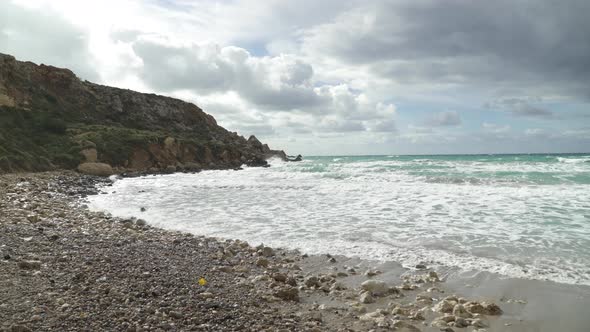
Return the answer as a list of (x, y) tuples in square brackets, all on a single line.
[(65, 268)]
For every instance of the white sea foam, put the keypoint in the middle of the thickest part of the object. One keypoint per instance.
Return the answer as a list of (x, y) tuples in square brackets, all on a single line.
[(383, 209)]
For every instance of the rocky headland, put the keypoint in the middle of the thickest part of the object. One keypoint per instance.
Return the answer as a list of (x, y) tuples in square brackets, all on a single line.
[(50, 119)]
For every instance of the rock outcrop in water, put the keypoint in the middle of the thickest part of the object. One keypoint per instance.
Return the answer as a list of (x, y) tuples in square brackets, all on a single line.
[(51, 119)]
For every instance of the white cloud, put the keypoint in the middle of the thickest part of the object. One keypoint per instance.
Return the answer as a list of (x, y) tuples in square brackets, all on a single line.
[(495, 128), (325, 69), (444, 119)]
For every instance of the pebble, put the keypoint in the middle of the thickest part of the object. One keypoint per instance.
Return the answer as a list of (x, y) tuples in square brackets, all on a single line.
[(376, 287), (267, 252), (478, 323), (19, 328), (175, 314), (312, 281), (444, 306), (262, 262), (287, 293), (29, 265), (459, 311), (366, 298)]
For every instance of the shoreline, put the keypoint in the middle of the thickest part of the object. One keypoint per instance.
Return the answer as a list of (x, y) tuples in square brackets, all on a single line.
[(65, 267)]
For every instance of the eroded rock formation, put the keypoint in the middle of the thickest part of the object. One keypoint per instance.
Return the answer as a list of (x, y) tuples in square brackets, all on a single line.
[(41, 105)]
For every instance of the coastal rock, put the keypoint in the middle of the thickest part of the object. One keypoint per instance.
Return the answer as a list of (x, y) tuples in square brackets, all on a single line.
[(262, 262), (90, 155), (400, 325), (479, 323), (312, 281), (337, 286), (439, 323), (444, 306), (366, 298), (474, 308), (417, 316), (376, 287), (98, 169), (29, 265), (461, 322), (460, 311), (447, 318), (280, 277), (424, 299), (485, 308), (267, 252), (491, 309), (287, 293), (399, 311), (19, 328)]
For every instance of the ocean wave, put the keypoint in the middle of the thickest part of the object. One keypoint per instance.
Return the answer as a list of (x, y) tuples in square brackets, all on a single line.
[(488, 216), (573, 160)]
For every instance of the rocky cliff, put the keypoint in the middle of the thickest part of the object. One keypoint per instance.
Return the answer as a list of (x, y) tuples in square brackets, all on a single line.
[(51, 119)]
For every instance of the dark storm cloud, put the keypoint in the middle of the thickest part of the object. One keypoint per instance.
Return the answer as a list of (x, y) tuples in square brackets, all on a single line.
[(521, 107), (532, 111), (531, 43)]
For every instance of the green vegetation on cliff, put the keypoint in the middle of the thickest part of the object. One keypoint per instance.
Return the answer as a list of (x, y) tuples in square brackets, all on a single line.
[(51, 119), (33, 140)]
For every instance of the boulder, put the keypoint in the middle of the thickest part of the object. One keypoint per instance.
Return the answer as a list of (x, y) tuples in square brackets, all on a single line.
[(98, 169)]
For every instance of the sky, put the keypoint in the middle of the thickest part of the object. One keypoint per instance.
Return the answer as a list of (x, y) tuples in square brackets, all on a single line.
[(337, 77)]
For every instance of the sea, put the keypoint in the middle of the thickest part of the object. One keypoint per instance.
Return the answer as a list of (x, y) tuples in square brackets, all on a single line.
[(518, 215)]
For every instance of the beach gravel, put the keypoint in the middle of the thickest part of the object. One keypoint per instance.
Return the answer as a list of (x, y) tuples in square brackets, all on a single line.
[(66, 268)]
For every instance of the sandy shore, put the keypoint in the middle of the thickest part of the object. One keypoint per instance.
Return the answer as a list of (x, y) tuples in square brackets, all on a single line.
[(64, 268)]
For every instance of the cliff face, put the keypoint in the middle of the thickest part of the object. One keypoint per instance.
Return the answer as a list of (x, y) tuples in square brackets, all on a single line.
[(51, 119)]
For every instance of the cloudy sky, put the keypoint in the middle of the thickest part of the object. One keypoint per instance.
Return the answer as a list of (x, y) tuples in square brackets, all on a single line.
[(333, 76)]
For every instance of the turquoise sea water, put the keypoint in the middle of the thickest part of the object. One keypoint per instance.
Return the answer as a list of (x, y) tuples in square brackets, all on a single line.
[(541, 169), (524, 216)]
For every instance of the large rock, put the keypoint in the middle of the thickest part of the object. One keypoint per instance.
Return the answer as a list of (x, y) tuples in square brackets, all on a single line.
[(98, 169)]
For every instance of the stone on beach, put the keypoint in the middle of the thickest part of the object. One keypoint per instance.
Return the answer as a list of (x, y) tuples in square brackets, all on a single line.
[(460, 311), (287, 293), (98, 169), (366, 297), (29, 265), (376, 287), (444, 306)]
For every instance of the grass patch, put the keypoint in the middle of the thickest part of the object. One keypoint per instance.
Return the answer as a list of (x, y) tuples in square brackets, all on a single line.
[(116, 144), (34, 140)]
